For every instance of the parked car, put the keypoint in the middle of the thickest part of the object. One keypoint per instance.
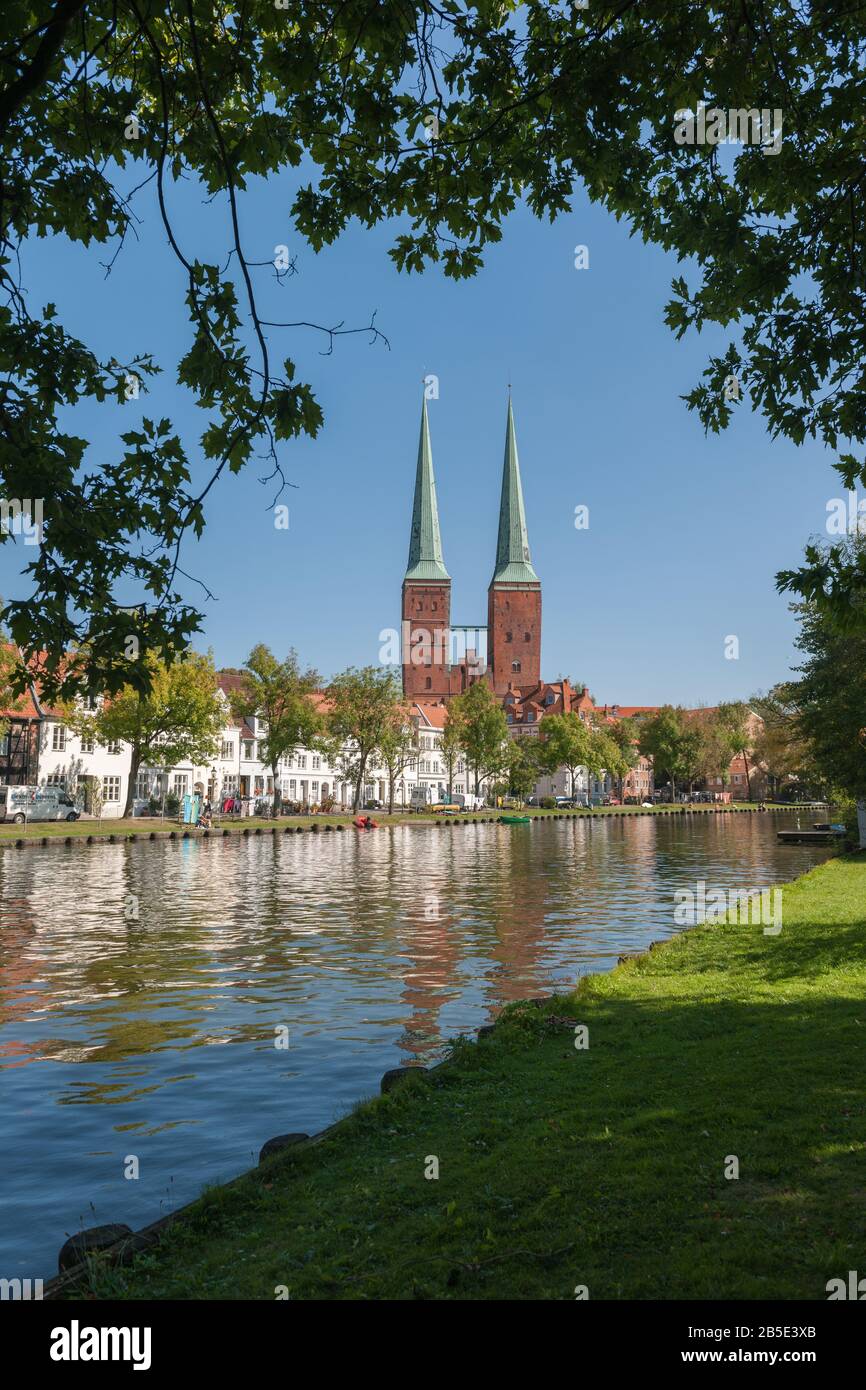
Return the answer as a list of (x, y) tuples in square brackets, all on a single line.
[(374, 805), (21, 804)]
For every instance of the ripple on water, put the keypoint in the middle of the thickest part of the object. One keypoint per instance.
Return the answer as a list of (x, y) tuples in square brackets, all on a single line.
[(156, 1036)]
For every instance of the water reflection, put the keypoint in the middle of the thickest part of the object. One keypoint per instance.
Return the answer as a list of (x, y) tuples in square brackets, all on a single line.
[(155, 1033)]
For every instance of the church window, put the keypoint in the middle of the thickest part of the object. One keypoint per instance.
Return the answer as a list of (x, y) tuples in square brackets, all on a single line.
[(526, 637), (515, 665), (428, 684), (508, 636)]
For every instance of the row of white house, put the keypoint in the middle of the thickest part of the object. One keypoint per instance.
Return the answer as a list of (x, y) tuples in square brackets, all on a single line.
[(237, 771)]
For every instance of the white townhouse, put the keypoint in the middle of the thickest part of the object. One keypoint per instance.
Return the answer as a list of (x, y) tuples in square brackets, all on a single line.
[(236, 769)]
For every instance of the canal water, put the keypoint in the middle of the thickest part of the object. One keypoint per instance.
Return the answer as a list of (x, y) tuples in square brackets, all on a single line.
[(147, 991)]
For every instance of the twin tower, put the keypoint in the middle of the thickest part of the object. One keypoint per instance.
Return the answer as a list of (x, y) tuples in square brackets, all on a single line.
[(513, 599)]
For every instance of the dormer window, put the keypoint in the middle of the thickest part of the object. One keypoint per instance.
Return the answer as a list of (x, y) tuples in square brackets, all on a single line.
[(530, 717), (549, 698)]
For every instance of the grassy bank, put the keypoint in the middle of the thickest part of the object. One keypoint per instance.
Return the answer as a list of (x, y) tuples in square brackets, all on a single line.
[(602, 1167), (142, 826)]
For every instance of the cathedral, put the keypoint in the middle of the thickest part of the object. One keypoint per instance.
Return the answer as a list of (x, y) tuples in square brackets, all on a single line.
[(512, 663)]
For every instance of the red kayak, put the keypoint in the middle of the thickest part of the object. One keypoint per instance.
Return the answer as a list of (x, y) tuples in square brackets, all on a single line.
[(364, 823)]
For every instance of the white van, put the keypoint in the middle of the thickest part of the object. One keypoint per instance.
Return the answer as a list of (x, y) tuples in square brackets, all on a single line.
[(21, 804)]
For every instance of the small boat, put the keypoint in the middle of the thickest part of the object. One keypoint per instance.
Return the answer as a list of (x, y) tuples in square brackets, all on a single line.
[(515, 820), (365, 823)]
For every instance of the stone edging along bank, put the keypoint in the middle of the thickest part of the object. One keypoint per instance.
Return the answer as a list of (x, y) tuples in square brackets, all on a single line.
[(135, 836), (118, 1244)]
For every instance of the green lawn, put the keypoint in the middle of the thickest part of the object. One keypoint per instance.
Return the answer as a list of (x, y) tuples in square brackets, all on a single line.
[(602, 1167), (141, 826)]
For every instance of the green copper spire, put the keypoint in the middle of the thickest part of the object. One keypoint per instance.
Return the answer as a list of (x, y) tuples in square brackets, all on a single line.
[(425, 542), (513, 562)]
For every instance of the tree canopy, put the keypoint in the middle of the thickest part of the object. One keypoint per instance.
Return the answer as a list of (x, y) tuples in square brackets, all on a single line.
[(441, 117), (280, 694), (179, 719)]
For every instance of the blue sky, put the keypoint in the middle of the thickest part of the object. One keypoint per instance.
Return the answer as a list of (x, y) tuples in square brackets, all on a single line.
[(685, 535)]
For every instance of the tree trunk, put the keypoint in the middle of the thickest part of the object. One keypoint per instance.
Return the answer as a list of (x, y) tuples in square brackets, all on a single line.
[(359, 782), (278, 800), (390, 792), (134, 765), (748, 778)]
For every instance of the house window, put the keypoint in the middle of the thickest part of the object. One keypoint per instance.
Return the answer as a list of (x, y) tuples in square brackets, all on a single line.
[(58, 738), (317, 762), (458, 786), (113, 746), (314, 788), (529, 716), (230, 785), (258, 786), (227, 748), (111, 789), (5, 741), (57, 779), (248, 751), (302, 761), (87, 743), (179, 784), (293, 787)]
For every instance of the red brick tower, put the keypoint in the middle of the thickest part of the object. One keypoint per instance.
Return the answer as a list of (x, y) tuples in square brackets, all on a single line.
[(426, 628), (514, 596)]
